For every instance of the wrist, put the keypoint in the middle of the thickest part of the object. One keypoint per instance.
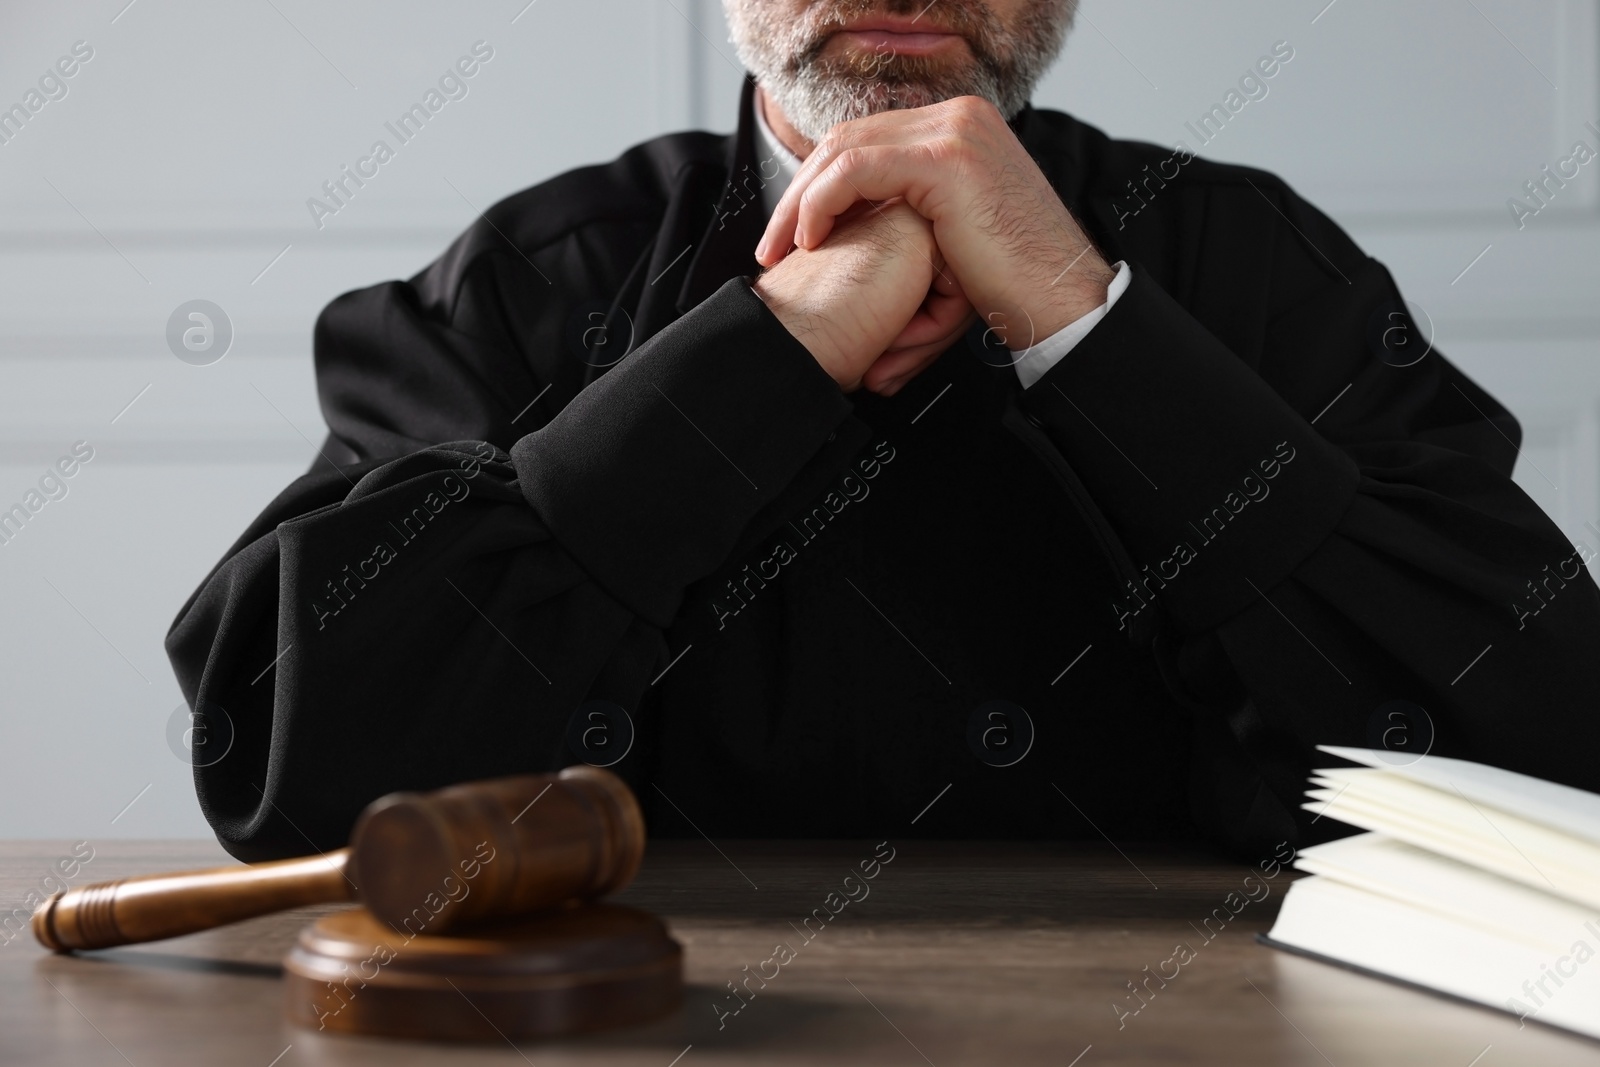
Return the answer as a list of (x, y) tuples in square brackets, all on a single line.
[(1078, 292), (796, 316)]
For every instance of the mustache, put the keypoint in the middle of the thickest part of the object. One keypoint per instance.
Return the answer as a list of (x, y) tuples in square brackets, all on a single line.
[(959, 16)]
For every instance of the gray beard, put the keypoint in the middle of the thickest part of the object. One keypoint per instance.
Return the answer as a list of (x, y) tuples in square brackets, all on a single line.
[(817, 93)]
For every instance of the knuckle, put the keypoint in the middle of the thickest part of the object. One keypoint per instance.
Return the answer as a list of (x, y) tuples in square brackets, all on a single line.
[(961, 109), (851, 158), (972, 114), (980, 108), (951, 149), (841, 136), (809, 198)]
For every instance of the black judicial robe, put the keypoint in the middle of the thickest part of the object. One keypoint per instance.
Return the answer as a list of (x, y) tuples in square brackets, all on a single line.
[(576, 464)]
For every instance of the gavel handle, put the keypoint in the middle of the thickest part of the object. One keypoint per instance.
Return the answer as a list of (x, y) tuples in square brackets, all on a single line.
[(157, 906)]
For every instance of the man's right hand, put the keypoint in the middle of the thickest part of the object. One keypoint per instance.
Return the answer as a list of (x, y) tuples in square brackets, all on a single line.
[(872, 303)]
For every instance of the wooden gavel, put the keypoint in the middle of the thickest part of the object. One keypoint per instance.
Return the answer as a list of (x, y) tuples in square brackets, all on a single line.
[(419, 862)]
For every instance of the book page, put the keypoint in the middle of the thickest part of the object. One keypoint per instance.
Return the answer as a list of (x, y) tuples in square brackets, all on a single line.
[(1574, 811)]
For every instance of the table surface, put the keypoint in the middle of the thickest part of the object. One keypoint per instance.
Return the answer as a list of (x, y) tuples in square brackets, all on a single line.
[(960, 954)]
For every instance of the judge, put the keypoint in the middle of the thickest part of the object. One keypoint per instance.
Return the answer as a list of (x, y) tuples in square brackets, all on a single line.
[(878, 470)]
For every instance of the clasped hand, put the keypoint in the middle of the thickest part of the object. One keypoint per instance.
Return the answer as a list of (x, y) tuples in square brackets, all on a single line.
[(900, 228)]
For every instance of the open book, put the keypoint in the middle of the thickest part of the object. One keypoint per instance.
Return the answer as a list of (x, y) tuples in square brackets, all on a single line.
[(1475, 882)]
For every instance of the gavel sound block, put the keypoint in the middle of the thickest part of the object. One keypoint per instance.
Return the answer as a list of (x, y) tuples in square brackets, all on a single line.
[(478, 920)]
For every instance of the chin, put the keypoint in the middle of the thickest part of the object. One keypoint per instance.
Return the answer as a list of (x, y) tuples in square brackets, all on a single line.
[(830, 92), (872, 97)]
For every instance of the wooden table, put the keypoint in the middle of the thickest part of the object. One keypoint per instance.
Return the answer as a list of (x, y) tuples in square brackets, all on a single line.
[(960, 954)]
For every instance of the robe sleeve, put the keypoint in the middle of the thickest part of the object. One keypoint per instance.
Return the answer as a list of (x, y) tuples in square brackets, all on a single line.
[(408, 621), (1314, 524)]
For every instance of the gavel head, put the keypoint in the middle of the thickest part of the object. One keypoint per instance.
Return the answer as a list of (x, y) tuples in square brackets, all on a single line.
[(430, 862)]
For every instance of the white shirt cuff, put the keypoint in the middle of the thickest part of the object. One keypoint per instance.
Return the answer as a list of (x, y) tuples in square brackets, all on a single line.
[(1037, 360)]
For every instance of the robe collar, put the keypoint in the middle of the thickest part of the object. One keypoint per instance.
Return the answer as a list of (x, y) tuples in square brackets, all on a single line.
[(727, 248)]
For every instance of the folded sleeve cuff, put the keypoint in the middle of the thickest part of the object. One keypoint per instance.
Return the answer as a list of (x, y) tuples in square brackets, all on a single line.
[(1214, 484), (650, 474)]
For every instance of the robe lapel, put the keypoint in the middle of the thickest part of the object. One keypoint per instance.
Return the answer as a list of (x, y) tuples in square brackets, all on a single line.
[(727, 246), (708, 233)]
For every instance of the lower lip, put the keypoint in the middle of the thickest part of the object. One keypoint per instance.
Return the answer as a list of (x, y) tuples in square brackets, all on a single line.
[(900, 43)]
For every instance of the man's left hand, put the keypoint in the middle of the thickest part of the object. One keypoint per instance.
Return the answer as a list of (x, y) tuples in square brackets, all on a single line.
[(1013, 247)]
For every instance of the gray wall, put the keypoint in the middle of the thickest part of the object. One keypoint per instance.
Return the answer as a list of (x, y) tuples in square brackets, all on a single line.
[(178, 164)]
